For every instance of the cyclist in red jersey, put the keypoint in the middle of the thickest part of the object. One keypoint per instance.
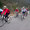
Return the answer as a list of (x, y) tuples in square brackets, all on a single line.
[(6, 10), (16, 11)]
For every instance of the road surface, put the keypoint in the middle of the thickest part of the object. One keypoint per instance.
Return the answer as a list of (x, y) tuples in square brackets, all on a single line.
[(17, 24)]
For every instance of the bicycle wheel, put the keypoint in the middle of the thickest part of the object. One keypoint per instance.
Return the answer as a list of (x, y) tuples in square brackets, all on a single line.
[(22, 17), (2, 22)]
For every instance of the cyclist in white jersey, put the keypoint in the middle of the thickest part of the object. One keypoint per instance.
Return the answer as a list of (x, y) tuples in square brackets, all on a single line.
[(23, 11)]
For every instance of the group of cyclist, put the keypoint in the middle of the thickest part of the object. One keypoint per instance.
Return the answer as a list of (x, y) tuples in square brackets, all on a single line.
[(23, 11), (7, 11)]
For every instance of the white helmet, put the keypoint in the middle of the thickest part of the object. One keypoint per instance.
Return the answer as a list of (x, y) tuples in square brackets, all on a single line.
[(5, 7), (23, 7)]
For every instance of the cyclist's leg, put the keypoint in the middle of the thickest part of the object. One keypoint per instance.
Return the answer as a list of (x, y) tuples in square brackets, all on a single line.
[(0, 13), (6, 16), (23, 14)]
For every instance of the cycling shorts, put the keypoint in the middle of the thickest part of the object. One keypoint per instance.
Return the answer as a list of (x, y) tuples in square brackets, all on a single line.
[(23, 12)]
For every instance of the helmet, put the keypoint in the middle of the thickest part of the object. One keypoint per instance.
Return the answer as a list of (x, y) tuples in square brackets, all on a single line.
[(5, 7), (23, 7)]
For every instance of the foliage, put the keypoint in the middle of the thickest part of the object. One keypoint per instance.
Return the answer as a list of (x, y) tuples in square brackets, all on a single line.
[(1, 4), (14, 7)]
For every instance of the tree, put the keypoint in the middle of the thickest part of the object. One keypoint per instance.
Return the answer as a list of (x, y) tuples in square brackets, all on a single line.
[(1, 4)]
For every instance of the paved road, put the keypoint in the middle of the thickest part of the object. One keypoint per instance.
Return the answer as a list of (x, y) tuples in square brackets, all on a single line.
[(17, 24)]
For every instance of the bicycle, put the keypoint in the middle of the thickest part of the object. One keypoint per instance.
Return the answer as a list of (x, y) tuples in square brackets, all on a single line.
[(3, 20), (22, 16), (16, 14)]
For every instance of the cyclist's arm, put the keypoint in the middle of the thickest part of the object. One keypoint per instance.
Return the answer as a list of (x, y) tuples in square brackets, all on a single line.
[(5, 12)]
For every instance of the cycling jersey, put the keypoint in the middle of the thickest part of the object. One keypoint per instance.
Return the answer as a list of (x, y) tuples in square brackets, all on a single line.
[(1, 10), (16, 10), (24, 10), (6, 11)]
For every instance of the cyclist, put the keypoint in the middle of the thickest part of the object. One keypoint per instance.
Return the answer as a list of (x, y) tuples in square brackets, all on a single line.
[(23, 11), (16, 12), (0, 11), (7, 11)]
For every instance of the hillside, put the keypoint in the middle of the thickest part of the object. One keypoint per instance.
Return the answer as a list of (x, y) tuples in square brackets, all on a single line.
[(17, 3)]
